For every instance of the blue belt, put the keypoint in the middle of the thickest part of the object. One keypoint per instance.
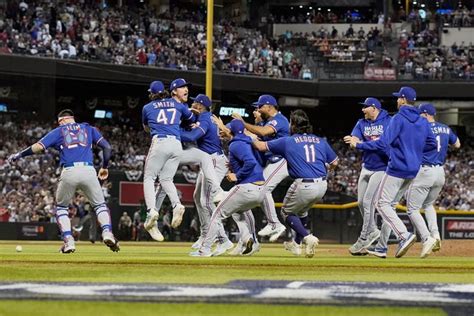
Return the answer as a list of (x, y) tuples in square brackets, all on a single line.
[(77, 164), (313, 180)]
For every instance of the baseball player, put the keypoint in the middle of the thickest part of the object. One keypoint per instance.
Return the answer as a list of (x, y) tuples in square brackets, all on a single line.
[(374, 163), (429, 181), (306, 156), (213, 164), (273, 126), (74, 142), (161, 118), (404, 139), (248, 192)]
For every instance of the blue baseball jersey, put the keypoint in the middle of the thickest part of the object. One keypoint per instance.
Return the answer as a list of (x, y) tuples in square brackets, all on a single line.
[(73, 141), (305, 154), (444, 137), (405, 139), (164, 116), (367, 130), (281, 126), (206, 134), (242, 160)]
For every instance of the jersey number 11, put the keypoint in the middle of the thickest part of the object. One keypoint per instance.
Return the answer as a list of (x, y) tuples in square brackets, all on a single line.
[(310, 153)]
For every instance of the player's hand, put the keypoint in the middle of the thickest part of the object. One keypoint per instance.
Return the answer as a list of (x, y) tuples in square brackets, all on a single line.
[(252, 135), (195, 111), (13, 158), (237, 116), (103, 174), (258, 116), (354, 141), (217, 120), (347, 139), (232, 177)]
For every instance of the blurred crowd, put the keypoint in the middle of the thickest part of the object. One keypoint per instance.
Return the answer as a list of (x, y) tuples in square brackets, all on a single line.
[(27, 187), (127, 36), (422, 57)]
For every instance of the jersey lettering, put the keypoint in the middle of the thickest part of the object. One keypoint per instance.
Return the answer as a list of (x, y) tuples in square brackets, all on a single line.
[(163, 118)]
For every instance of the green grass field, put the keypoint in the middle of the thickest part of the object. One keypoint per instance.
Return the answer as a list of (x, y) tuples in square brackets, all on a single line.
[(170, 263)]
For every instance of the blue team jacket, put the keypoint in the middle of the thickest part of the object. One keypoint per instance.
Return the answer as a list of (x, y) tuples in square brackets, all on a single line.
[(405, 138), (243, 161)]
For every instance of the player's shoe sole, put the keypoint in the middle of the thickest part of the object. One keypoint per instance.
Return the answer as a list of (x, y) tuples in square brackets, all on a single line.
[(248, 246), (156, 234), (437, 246), (178, 213), (379, 253), (113, 244)]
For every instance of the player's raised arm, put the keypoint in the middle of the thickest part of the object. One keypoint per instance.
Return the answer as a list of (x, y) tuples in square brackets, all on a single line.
[(33, 149)]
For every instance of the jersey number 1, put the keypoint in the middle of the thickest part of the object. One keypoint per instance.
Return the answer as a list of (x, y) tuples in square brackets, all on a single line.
[(438, 140), (163, 118), (310, 153)]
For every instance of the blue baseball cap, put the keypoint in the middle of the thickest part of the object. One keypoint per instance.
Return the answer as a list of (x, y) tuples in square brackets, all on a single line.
[(236, 127), (406, 92), (156, 87), (427, 108), (265, 99), (371, 102), (203, 99), (178, 83)]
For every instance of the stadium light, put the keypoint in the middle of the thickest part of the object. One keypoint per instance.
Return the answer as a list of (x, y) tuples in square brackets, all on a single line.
[(311, 8), (301, 7)]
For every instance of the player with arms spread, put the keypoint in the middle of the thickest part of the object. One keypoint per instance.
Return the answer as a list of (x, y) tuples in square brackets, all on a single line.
[(74, 142), (307, 156)]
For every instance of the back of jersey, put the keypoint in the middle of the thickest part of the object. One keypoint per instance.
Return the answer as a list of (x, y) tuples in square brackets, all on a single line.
[(73, 141), (444, 137), (164, 116), (306, 155)]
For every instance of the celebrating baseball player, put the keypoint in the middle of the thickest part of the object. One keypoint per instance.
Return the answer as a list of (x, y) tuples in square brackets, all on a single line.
[(405, 139), (213, 163), (273, 126), (248, 192), (374, 163), (161, 118), (74, 142), (429, 181), (306, 156)]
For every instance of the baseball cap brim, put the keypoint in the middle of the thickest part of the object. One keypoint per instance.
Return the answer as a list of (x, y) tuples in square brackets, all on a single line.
[(396, 94)]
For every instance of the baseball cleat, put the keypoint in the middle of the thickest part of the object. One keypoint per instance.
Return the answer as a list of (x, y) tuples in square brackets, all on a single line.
[(222, 248), (68, 246), (437, 246), (110, 241), (279, 230), (197, 244), (359, 248), (404, 245), (378, 252), (156, 234), (255, 248), (311, 242), (247, 248), (237, 251), (428, 246), (151, 219), (178, 212), (293, 247)]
